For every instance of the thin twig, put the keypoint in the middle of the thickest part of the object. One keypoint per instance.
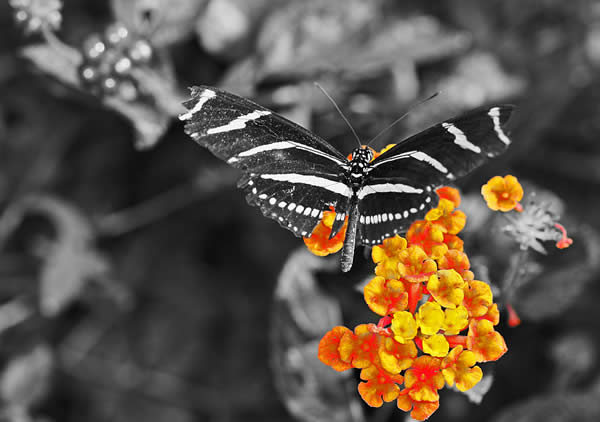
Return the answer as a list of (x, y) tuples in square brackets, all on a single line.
[(165, 204)]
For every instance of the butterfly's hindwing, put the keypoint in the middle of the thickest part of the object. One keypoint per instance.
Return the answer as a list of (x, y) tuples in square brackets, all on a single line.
[(295, 201), (448, 150), (388, 207), (424, 161)]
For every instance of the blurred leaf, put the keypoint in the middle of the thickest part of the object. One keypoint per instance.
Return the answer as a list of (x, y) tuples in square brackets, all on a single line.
[(26, 379), (477, 393), (310, 309), (562, 407), (164, 21), (70, 261), (227, 27), (13, 313), (61, 65), (560, 285), (302, 313)]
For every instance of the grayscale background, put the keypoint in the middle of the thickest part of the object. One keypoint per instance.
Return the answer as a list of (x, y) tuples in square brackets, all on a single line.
[(136, 284)]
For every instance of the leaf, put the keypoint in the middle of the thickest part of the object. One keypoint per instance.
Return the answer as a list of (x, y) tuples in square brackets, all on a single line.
[(61, 65), (26, 379), (150, 118), (310, 309), (164, 21), (477, 393), (302, 313), (70, 261)]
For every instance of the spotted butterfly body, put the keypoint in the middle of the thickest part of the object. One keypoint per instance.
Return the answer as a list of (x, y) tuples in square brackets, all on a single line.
[(293, 175)]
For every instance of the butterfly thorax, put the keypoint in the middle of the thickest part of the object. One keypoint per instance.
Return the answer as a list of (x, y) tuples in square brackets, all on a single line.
[(358, 168)]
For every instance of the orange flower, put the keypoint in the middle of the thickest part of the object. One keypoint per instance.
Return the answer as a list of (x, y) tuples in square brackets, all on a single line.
[(380, 386), (478, 298), (385, 297), (404, 354), (452, 221), (484, 342), (458, 261), (429, 237), (492, 315), (414, 265), (319, 242), (421, 410), (329, 349), (451, 194), (424, 379), (459, 367), (361, 348), (387, 256), (502, 194), (453, 242), (447, 288)]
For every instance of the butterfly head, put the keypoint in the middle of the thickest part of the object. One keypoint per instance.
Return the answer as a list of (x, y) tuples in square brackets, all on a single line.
[(362, 155)]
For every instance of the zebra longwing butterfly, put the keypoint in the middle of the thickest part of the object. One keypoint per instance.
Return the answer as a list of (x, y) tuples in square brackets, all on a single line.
[(293, 175)]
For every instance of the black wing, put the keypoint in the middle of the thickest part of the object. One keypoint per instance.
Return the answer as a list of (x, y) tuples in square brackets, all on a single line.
[(291, 174), (401, 182)]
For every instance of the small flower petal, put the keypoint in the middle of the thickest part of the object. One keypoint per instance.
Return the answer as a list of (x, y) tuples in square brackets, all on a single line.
[(319, 242), (404, 327)]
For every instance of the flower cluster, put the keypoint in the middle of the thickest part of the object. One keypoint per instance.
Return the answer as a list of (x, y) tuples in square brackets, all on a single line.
[(110, 61), (436, 321), (529, 226), (37, 15)]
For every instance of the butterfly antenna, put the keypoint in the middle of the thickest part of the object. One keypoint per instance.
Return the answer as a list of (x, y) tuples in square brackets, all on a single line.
[(339, 111), (412, 107)]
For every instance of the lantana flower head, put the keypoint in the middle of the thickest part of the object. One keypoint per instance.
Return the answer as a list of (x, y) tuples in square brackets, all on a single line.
[(436, 321)]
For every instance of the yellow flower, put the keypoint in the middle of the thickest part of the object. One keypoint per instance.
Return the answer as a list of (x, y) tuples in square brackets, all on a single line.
[(387, 256), (478, 298), (502, 194), (430, 318), (455, 320), (436, 345), (447, 288), (414, 265), (484, 342), (458, 367), (404, 327)]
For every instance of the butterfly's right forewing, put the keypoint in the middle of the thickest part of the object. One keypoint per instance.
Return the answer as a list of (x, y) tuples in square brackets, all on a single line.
[(291, 174)]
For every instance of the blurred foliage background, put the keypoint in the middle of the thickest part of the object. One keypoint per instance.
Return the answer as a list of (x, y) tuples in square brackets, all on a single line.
[(135, 283)]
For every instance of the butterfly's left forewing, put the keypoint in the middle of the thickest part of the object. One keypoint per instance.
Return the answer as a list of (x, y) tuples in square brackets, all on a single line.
[(290, 174), (400, 184)]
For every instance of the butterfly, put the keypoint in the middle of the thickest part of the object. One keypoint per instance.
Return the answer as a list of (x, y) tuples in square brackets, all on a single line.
[(293, 175)]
